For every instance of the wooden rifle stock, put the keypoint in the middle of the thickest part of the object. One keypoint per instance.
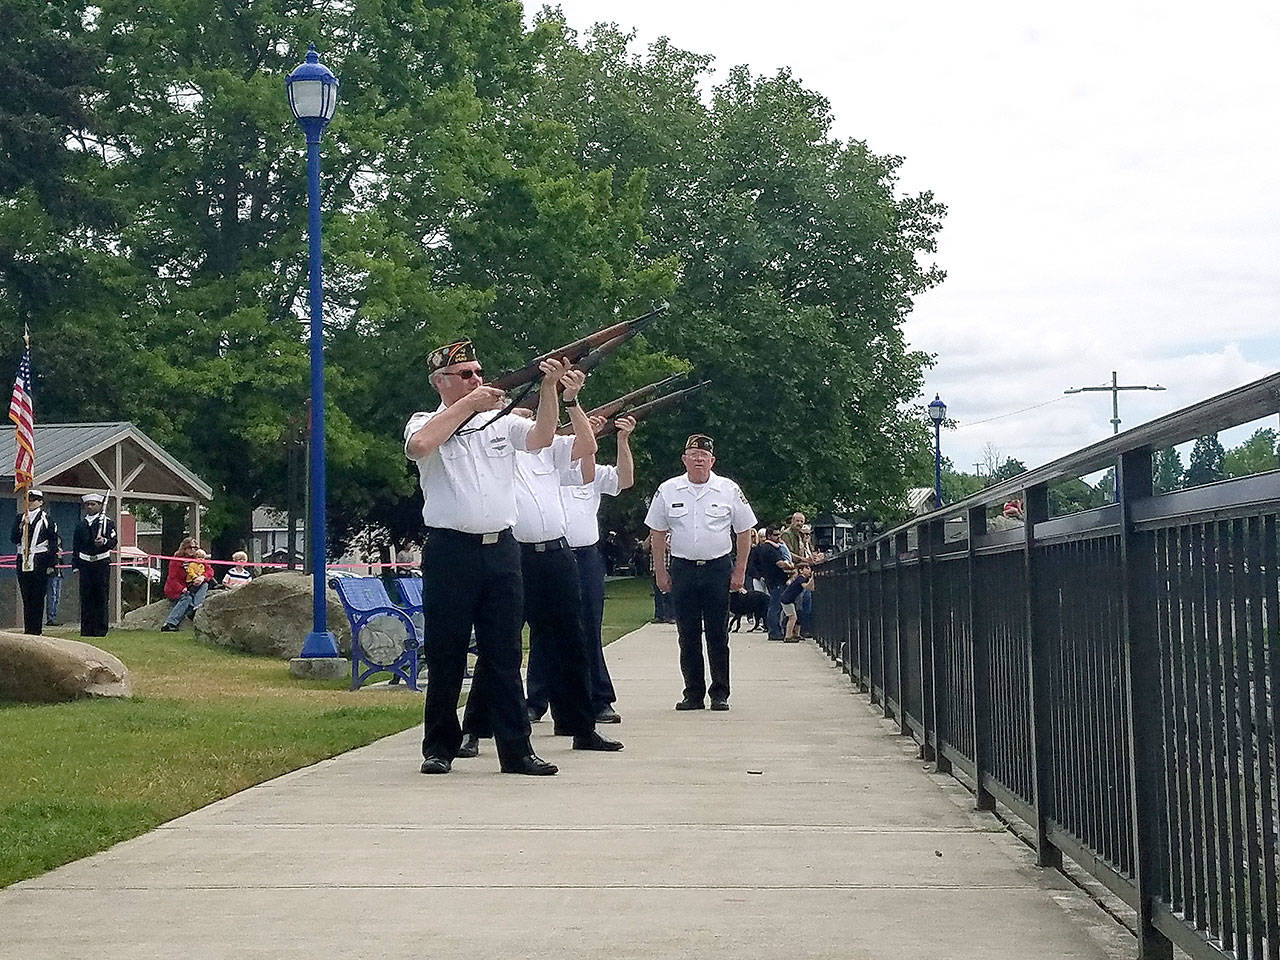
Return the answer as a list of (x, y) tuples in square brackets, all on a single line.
[(653, 406), (579, 349)]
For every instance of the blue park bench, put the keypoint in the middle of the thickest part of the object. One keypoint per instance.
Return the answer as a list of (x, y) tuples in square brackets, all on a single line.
[(411, 591), (365, 600)]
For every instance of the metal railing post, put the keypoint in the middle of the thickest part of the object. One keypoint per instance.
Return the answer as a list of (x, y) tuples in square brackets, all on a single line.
[(1142, 669), (1036, 510), (928, 711), (979, 658), (886, 551), (899, 548)]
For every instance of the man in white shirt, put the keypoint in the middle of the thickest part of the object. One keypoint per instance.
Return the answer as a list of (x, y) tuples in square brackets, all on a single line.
[(465, 454), (709, 524), (582, 507), (559, 664)]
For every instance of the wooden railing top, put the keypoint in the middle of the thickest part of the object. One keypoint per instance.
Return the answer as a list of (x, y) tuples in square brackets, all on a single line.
[(1241, 405)]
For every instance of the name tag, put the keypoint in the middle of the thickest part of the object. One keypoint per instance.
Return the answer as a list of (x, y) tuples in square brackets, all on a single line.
[(677, 505)]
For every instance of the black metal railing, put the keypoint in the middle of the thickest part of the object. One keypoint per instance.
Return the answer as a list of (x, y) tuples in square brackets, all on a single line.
[(1109, 676)]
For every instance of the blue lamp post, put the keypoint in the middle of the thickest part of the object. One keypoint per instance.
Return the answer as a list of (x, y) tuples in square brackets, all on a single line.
[(313, 97), (937, 413)]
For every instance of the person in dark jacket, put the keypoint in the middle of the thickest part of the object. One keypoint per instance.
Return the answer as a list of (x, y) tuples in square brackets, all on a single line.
[(35, 537), (95, 538)]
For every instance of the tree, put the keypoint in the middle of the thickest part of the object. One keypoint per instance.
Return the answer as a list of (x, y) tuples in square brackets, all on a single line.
[(1255, 455), (798, 262), (1072, 496), (1006, 471), (1167, 469), (1206, 463)]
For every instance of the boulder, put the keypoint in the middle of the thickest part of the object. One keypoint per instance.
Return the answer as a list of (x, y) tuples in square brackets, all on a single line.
[(51, 669), (270, 615), (150, 617)]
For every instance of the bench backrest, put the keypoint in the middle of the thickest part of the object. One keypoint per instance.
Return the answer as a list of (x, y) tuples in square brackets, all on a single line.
[(411, 591), (361, 594)]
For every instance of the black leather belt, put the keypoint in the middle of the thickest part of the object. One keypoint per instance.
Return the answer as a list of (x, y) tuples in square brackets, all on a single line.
[(702, 563), (484, 539), (560, 543)]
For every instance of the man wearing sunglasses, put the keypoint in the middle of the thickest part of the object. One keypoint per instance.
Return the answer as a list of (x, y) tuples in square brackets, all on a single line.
[(465, 454)]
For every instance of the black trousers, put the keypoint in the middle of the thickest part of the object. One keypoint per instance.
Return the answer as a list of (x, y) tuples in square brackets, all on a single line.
[(93, 598), (591, 586), (553, 611), (701, 596), (465, 584), (33, 585)]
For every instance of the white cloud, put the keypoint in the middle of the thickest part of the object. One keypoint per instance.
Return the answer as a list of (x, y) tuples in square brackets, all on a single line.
[(1111, 177)]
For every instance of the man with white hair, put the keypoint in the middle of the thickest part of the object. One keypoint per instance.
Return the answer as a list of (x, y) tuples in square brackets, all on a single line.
[(465, 454)]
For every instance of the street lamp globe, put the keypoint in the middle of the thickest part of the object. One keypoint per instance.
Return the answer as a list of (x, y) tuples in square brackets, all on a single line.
[(937, 410), (313, 92)]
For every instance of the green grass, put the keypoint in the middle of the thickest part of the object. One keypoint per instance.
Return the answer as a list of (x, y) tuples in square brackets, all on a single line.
[(204, 723)]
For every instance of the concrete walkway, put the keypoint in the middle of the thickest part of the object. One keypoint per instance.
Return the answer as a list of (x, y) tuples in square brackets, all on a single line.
[(796, 825)]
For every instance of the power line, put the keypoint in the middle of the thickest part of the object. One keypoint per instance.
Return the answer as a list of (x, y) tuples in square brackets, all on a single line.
[(1114, 389), (1012, 413)]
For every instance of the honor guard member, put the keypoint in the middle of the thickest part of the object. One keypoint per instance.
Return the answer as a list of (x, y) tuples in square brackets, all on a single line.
[(709, 521), (582, 508), (465, 453), (559, 661), (36, 538), (95, 538)]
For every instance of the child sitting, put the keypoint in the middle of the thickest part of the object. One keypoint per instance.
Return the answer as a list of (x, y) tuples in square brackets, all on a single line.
[(237, 576), (195, 570), (790, 594)]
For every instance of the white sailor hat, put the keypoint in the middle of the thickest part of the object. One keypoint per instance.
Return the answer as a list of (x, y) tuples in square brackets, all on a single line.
[(34, 495), (94, 498)]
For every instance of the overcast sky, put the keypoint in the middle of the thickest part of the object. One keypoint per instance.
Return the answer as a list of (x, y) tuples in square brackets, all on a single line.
[(1112, 180)]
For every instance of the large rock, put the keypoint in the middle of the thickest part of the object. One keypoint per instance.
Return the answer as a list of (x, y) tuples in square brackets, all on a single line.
[(270, 615), (150, 617), (50, 669)]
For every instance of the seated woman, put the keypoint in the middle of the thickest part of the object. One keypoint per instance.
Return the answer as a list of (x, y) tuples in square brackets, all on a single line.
[(187, 583)]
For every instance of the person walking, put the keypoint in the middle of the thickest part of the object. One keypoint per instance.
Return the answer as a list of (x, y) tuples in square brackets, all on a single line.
[(582, 508), (95, 537), (709, 521), (35, 537), (464, 451)]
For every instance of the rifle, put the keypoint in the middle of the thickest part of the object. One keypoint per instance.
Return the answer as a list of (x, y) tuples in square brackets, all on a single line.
[(578, 350), (653, 406), (614, 407)]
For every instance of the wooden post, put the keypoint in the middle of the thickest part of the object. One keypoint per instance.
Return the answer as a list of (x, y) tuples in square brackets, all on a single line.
[(979, 657), (1142, 669), (1035, 509)]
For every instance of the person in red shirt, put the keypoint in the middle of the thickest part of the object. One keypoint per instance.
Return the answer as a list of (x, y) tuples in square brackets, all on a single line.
[(186, 592)]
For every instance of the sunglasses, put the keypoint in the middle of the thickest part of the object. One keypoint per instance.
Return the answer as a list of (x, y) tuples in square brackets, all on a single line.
[(463, 374)]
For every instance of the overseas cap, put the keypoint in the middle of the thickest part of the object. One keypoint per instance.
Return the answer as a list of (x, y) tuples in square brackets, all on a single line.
[(460, 351), (700, 441)]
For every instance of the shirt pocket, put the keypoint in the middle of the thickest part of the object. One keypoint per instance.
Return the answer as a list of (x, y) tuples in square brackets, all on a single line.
[(581, 493), (498, 448), (678, 515), (719, 516)]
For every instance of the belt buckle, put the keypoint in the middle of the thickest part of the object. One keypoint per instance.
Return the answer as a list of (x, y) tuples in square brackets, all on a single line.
[(488, 539), (540, 548)]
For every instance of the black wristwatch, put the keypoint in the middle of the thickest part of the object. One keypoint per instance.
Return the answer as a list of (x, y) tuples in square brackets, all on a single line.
[(571, 403)]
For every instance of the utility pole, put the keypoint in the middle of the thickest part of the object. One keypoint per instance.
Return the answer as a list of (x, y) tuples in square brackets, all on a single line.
[(1114, 388)]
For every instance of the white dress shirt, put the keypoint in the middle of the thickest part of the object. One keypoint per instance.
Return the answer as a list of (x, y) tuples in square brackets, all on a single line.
[(468, 482), (701, 517), (582, 503), (539, 512)]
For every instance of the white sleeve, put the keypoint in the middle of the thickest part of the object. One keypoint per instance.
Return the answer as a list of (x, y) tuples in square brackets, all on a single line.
[(518, 429), (416, 423), (656, 518), (744, 517), (607, 480), (562, 453)]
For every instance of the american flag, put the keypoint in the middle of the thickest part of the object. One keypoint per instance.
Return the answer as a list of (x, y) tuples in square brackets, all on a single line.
[(20, 412)]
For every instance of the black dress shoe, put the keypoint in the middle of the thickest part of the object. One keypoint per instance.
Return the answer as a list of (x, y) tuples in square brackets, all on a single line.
[(531, 765), (608, 715), (559, 731), (719, 704), (593, 741), (469, 747), (688, 704), (436, 765)]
